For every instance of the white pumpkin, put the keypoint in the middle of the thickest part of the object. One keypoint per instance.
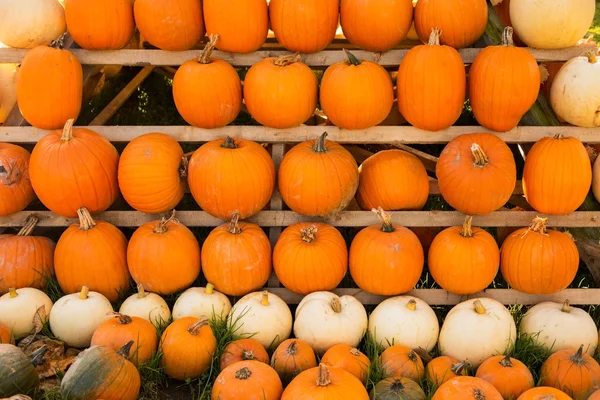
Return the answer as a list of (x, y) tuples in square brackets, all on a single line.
[(75, 317), (405, 320), (8, 89), (148, 306), (575, 94), (551, 24), (559, 326), (476, 330), (202, 302), (262, 316), (323, 320), (28, 23), (18, 309)]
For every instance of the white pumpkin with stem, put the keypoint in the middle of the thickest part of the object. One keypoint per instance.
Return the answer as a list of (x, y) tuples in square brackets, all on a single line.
[(262, 316), (323, 320), (75, 317), (558, 326), (476, 330), (8, 89), (18, 309), (25, 24), (202, 302), (148, 306), (405, 320)]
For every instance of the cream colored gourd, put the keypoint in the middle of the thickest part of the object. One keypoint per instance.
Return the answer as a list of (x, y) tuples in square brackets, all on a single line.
[(323, 320), (575, 93), (264, 316), (551, 24), (202, 302), (25, 24), (75, 317), (8, 89), (148, 306), (476, 330), (558, 326), (405, 320), (19, 307)]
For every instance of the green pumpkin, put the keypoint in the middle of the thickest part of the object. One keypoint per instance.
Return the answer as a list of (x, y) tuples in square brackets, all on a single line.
[(397, 389), (17, 371)]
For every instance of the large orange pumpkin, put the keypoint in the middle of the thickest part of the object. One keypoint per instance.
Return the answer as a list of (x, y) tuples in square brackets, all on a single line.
[(510, 376), (318, 178), (477, 173), (94, 254), (348, 358), (356, 94), (250, 380), (243, 350), (557, 175), (74, 168), (49, 87), (431, 84), (310, 257), (231, 176), (467, 388), (170, 24), (236, 258), (100, 24), (572, 371), (281, 92), (539, 261), (386, 259), (547, 393), (25, 260), (400, 361), (15, 187), (207, 91), (443, 368), (292, 357), (323, 382), (164, 256), (306, 26)]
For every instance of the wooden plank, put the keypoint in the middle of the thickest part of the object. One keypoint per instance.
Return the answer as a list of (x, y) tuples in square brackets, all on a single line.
[(277, 153)]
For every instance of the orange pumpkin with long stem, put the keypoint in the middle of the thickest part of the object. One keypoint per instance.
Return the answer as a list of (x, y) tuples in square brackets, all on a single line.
[(548, 393), (243, 350), (349, 359), (572, 371), (292, 357), (323, 382), (510, 376), (443, 368), (466, 388), (250, 380), (16, 191), (401, 361)]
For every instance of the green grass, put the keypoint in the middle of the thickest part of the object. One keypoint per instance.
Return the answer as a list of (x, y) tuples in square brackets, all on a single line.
[(595, 28)]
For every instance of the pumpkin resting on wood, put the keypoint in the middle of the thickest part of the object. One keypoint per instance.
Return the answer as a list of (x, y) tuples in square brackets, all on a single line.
[(15, 187)]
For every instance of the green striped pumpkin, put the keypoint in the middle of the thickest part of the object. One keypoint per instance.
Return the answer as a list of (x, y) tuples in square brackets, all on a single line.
[(17, 371)]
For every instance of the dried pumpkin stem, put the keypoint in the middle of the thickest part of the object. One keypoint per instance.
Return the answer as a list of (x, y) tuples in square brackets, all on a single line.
[(355, 352), (229, 143), (458, 368), (292, 348), (161, 227), (59, 43), (309, 234), (385, 218), (481, 159), (194, 329), (208, 49), (396, 387), (336, 305), (123, 319), (434, 37), (319, 146), (30, 223), (209, 289), (12, 292), (412, 356), (141, 291), (506, 362), (183, 166), (479, 308), (507, 37), (265, 298), (248, 355), (125, 350), (67, 133), (578, 357), (37, 358), (559, 136), (243, 374), (412, 305), (352, 58), (538, 225), (496, 2), (83, 295), (591, 56), (323, 378), (478, 394), (234, 229), (284, 61), (566, 308), (467, 229), (86, 222)]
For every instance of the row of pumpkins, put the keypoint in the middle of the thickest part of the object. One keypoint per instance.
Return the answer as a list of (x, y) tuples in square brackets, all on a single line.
[(476, 332)]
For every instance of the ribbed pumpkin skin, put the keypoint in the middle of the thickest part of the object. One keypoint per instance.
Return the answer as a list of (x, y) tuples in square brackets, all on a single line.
[(164, 263), (462, 22), (100, 372), (376, 25), (248, 380), (100, 24), (439, 370), (15, 187), (466, 388), (280, 96), (343, 386), (243, 350), (305, 26), (17, 374), (510, 379), (392, 180), (557, 175), (242, 25), (292, 357), (401, 361), (548, 393), (349, 359), (575, 374), (48, 78), (305, 267), (397, 389)]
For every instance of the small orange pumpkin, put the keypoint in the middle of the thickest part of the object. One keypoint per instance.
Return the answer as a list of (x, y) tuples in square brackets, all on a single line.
[(572, 371), (594, 396), (323, 382), (510, 376), (251, 380), (243, 350), (6, 336), (443, 368), (548, 393), (292, 357), (400, 361), (15, 187), (467, 388), (348, 358)]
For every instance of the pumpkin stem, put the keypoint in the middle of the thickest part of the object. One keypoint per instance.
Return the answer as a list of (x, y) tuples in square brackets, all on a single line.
[(458, 368), (308, 235), (284, 61), (479, 395), (566, 308), (86, 222), (228, 143), (12, 292), (538, 225), (141, 291), (248, 355), (578, 357), (355, 352), (385, 218), (506, 362), (412, 305), (481, 159), (123, 319), (208, 49), (30, 223), (83, 295), (467, 230), (412, 356), (496, 2), (234, 229), (423, 354), (125, 350), (183, 166), (37, 357), (591, 56), (243, 374), (59, 43), (323, 378), (292, 348), (352, 58), (265, 298), (209, 289), (336, 305), (479, 308), (67, 133), (507, 37), (161, 227), (396, 386), (434, 37), (319, 146), (194, 329)]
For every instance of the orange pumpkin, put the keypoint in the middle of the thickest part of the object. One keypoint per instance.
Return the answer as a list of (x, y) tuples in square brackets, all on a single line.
[(557, 175), (119, 330), (350, 359), (187, 345), (392, 180), (477, 173), (164, 256), (94, 254), (443, 368), (153, 173), (292, 357), (25, 261), (74, 168), (461, 22), (243, 350), (15, 187), (431, 84), (594, 396), (318, 178), (323, 382), (6, 335), (572, 371), (464, 260), (539, 261), (310, 257), (466, 388), (236, 258), (231, 176), (251, 380), (242, 25), (100, 24), (547, 393), (170, 24), (49, 87), (281, 92), (387, 259), (400, 361), (207, 91), (510, 376), (306, 26), (356, 94)]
